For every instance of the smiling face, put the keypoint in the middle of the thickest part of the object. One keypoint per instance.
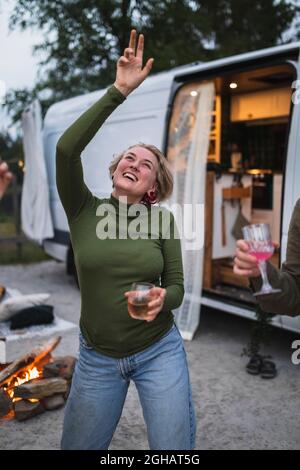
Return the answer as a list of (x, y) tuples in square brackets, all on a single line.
[(135, 174)]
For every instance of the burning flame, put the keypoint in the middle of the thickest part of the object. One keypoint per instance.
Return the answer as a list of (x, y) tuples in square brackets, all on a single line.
[(28, 375)]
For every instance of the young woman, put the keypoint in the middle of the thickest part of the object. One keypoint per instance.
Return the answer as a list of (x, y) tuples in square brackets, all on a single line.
[(116, 347)]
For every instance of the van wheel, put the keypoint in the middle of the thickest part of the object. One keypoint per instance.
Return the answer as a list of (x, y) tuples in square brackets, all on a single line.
[(70, 265)]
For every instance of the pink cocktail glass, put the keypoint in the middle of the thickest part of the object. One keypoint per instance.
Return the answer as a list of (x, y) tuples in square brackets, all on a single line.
[(258, 237)]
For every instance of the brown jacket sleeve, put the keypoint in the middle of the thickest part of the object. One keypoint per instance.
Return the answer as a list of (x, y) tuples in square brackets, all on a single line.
[(287, 302)]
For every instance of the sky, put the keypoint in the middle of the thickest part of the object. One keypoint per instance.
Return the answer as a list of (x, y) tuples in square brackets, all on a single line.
[(18, 67)]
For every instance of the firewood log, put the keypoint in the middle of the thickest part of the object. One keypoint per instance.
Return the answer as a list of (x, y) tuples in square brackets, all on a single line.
[(41, 388), (53, 402), (6, 404), (60, 367), (29, 359), (26, 409)]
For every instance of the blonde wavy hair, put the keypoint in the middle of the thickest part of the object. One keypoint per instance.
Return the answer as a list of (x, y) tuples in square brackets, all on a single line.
[(164, 177)]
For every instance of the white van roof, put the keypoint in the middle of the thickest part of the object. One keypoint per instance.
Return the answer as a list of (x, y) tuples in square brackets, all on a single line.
[(76, 104), (268, 52), (163, 79)]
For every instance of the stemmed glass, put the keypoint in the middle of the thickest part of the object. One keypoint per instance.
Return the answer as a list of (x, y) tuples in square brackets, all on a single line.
[(258, 237)]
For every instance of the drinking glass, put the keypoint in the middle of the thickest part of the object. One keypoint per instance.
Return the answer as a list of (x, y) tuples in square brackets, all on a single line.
[(258, 237), (138, 299)]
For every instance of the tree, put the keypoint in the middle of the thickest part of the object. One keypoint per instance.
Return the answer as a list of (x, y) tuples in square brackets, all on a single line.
[(239, 26), (83, 38)]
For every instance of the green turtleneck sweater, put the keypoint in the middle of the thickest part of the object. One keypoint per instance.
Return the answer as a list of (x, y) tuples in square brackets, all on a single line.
[(108, 265)]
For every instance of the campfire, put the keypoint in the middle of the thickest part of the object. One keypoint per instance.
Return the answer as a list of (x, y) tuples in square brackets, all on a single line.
[(35, 382)]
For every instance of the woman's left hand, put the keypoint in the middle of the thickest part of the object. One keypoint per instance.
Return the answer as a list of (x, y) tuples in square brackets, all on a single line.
[(155, 305), (130, 71)]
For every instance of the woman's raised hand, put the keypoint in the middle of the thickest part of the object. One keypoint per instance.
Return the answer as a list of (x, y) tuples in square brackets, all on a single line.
[(130, 71)]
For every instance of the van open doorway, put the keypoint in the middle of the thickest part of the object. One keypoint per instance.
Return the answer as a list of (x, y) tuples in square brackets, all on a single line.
[(246, 164)]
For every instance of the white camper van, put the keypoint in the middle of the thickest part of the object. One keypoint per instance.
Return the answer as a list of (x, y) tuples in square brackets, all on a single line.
[(231, 126)]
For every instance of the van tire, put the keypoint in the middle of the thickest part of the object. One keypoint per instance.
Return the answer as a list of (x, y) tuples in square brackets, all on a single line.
[(70, 265)]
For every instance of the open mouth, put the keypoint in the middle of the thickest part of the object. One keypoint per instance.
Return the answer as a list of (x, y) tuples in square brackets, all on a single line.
[(130, 176)]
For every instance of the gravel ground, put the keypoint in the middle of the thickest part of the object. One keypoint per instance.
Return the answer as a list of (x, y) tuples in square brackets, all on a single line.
[(234, 409)]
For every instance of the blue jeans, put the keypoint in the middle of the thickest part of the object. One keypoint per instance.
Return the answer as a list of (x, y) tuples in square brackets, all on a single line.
[(99, 388)]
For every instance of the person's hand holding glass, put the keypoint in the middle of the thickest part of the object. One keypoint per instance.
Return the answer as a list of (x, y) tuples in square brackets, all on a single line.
[(258, 238), (145, 300)]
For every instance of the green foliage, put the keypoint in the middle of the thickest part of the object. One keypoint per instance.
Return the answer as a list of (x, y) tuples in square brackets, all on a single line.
[(239, 26), (10, 253), (83, 38), (29, 253)]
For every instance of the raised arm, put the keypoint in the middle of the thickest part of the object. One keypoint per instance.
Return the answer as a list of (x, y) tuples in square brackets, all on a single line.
[(72, 189)]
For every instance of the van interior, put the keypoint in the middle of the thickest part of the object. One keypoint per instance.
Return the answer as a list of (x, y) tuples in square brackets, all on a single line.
[(245, 166)]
